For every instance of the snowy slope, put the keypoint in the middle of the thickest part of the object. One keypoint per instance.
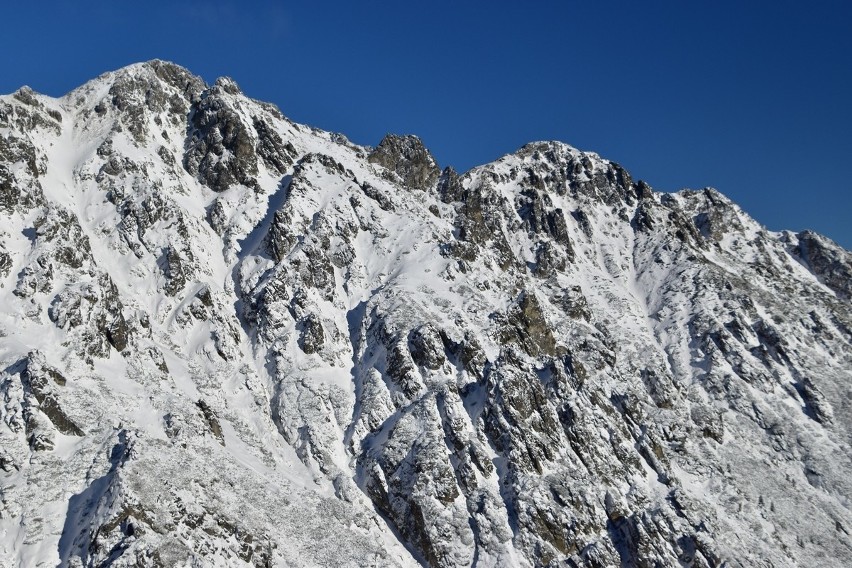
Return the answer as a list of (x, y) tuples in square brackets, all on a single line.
[(229, 339)]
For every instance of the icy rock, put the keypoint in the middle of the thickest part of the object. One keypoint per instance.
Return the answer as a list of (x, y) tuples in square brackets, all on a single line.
[(94, 312), (5, 263), (222, 147), (312, 336), (308, 352), (449, 186), (829, 262), (211, 419), (427, 349), (19, 188)]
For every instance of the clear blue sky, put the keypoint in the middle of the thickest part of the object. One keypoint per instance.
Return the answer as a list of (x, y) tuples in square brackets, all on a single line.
[(751, 97)]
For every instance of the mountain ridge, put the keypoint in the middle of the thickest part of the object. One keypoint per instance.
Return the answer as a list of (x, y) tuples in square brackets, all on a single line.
[(232, 339)]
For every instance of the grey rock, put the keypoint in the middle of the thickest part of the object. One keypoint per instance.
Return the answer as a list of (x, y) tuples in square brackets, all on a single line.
[(539, 362), (39, 379), (830, 263), (211, 419), (427, 349), (312, 336), (525, 326), (407, 157), (449, 186), (221, 148), (176, 277), (5, 263)]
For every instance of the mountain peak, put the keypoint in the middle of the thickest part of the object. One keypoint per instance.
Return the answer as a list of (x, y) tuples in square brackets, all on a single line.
[(407, 157), (139, 78), (229, 339), (228, 85)]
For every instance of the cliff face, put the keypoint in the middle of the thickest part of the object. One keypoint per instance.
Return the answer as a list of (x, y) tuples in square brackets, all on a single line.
[(228, 338)]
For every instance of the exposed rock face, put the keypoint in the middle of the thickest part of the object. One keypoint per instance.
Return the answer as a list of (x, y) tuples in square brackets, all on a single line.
[(409, 159), (222, 148), (19, 168), (830, 263), (228, 339)]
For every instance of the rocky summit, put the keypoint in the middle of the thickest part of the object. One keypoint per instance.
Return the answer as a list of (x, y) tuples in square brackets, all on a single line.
[(228, 339)]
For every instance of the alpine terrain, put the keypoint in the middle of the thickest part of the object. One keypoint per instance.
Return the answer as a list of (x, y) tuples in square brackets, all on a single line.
[(227, 339)]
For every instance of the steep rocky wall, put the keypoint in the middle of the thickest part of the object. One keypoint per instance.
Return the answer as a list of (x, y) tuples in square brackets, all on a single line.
[(228, 338)]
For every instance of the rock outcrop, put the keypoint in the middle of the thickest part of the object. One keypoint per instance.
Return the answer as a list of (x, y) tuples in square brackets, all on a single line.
[(228, 339)]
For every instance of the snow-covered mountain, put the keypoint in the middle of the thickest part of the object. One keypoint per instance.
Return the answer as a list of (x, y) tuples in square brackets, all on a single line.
[(230, 340)]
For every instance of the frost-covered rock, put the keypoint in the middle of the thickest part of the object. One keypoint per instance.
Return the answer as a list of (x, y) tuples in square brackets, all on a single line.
[(228, 339)]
